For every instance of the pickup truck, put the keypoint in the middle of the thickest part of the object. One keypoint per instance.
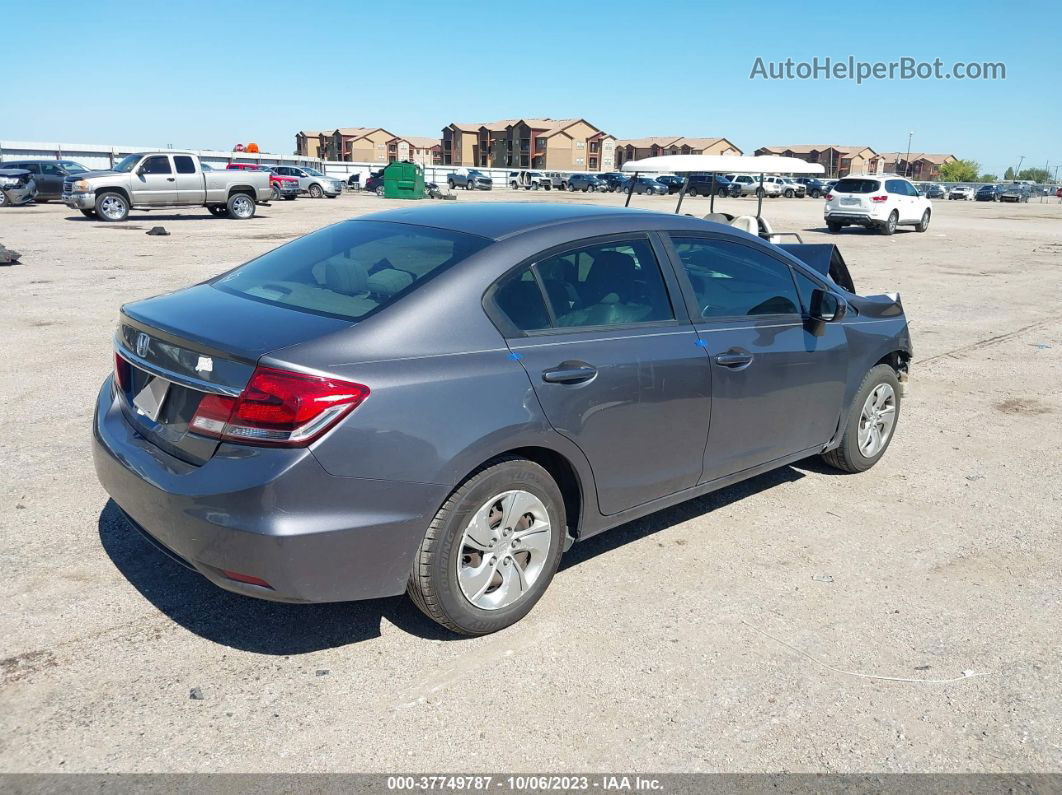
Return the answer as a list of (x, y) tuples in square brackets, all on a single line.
[(469, 179), (165, 180)]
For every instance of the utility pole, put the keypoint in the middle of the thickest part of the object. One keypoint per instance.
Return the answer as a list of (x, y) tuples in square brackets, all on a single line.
[(907, 162), (1018, 169)]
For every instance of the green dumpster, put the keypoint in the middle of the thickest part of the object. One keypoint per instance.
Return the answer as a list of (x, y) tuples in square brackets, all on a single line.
[(403, 180)]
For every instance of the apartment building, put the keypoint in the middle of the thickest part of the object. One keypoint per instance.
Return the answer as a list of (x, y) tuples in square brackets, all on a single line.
[(415, 148), (916, 165), (546, 144), (839, 161), (655, 146)]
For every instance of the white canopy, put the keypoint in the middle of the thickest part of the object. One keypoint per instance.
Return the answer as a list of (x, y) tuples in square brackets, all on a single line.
[(724, 164)]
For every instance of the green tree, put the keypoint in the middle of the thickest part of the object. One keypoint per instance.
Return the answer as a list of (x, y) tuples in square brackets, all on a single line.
[(960, 171), (988, 178), (1009, 173), (1040, 175)]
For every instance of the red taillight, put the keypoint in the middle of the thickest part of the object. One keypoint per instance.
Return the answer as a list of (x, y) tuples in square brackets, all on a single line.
[(247, 578), (884, 198), (121, 371), (829, 197), (278, 407)]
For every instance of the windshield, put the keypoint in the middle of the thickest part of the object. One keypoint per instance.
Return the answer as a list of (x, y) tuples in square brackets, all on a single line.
[(351, 269), (127, 164), (73, 168), (313, 172), (857, 186)]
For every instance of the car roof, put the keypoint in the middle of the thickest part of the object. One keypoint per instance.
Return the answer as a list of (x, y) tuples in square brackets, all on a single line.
[(506, 219)]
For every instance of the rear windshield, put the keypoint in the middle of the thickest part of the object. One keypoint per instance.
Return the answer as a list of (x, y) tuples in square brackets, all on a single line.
[(857, 186), (351, 269)]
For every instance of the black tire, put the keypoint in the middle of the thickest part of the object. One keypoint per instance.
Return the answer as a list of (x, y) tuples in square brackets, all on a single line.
[(315, 191), (293, 198), (277, 195), (834, 227), (847, 456), (433, 584), (691, 190), (240, 207), (586, 188), (816, 193), (789, 194), (115, 200), (889, 226), (89, 213), (379, 190), (4, 201), (451, 183), (923, 225), (571, 188), (219, 210), (470, 185)]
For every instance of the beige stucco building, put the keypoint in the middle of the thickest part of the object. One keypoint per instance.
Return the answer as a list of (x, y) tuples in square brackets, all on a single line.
[(547, 144), (658, 145), (839, 161)]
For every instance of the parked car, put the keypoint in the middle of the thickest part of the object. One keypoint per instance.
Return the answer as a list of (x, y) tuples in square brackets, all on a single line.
[(988, 193), (375, 183), (648, 185), (750, 185), (529, 180), (961, 193), (586, 182), (48, 175), (613, 179), (157, 180), (17, 186), (674, 183), (815, 188), (704, 184), (303, 429), (876, 203), (469, 179), (1015, 192), (788, 187), (935, 191), (281, 187), (557, 180), (311, 181)]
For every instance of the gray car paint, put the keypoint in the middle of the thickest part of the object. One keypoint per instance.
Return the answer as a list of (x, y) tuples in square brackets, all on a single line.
[(342, 519)]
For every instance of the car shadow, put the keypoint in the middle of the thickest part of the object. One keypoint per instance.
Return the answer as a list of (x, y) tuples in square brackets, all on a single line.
[(255, 625), (242, 622), (137, 218), (825, 230)]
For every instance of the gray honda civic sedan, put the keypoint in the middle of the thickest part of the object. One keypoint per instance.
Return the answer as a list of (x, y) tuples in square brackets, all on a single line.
[(441, 400)]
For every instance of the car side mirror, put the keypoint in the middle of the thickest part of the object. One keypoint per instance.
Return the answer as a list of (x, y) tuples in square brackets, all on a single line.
[(826, 306), (141, 171)]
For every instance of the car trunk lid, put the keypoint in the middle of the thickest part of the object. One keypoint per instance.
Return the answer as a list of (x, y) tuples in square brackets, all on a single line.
[(192, 343)]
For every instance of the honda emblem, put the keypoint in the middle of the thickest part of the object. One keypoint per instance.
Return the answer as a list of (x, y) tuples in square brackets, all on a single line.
[(143, 341)]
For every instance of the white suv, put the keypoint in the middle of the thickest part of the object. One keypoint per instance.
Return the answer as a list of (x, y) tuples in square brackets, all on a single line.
[(881, 203), (751, 186)]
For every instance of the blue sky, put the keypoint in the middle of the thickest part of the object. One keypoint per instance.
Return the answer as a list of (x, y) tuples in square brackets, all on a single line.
[(214, 74)]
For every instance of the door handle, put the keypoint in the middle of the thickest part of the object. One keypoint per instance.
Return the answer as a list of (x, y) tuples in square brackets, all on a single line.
[(734, 359), (171, 179), (569, 375)]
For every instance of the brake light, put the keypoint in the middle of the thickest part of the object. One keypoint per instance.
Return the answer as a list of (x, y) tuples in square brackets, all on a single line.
[(121, 371), (883, 198), (829, 197), (278, 407)]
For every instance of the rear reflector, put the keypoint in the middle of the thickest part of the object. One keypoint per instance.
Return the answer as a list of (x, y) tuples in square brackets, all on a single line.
[(278, 407), (246, 578), (879, 198)]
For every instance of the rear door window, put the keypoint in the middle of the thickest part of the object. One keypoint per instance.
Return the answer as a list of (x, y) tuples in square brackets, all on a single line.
[(615, 283), (519, 297), (351, 269), (735, 280), (185, 164)]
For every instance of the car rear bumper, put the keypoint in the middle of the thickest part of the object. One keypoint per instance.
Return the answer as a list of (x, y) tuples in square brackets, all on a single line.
[(269, 513), (865, 217)]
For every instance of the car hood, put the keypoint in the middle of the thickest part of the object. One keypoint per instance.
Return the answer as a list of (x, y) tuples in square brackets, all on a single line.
[(91, 174)]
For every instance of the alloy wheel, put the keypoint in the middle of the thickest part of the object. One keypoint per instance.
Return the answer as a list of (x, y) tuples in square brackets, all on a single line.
[(112, 207)]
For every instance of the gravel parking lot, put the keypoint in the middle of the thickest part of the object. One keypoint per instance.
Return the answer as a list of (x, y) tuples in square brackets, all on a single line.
[(905, 619)]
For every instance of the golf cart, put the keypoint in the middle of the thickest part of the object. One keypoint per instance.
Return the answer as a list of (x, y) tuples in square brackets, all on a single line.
[(823, 257)]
